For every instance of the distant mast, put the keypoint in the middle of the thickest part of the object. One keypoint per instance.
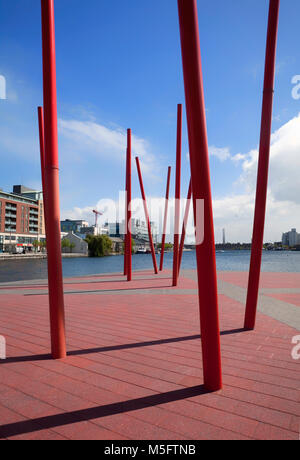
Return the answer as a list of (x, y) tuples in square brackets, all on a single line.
[(224, 238)]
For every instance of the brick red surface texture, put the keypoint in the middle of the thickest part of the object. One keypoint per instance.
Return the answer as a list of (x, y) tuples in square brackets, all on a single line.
[(134, 368)]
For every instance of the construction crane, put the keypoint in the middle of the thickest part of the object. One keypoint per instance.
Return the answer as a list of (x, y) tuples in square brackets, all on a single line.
[(97, 213)]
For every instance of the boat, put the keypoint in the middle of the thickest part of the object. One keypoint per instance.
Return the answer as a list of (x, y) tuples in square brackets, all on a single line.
[(141, 250)]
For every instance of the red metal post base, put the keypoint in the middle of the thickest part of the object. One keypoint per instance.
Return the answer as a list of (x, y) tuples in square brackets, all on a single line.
[(163, 242), (201, 188), (263, 168), (51, 179)]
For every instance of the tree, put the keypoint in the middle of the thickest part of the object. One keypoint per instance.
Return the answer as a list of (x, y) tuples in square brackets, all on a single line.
[(43, 245), (72, 246), (65, 243), (99, 246), (36, 245), (167, 246)]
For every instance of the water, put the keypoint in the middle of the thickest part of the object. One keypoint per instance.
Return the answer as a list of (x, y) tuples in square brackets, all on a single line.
[(14, 270)]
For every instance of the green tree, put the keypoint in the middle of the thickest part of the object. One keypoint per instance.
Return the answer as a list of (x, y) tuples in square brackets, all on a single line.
[(36, 245), (99, 246), (65, 243), (43, 245)]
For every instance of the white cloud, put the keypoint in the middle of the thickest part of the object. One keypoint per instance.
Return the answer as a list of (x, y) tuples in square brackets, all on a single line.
[(95, 139), (221, 153), (236, 212), (115, 211), (284, 181), (283, 207)]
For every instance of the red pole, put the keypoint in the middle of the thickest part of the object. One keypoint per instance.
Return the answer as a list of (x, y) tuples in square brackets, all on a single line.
[(165, 221), (146, 215), (42, 145), (206, 259), (177, 195), (184, 225), (263, 167), (128, 208), (55, 277), (42, 155), (126, 224)]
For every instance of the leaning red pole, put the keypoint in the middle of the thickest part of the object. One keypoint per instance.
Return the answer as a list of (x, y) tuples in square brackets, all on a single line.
[(55, 277), (128, 209), (163, 242), (184, 225), (177, 195), (201, 188), (146, 215), (263, 167)]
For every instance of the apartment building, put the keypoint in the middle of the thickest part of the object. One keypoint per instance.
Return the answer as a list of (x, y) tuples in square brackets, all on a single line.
[(21, 218)]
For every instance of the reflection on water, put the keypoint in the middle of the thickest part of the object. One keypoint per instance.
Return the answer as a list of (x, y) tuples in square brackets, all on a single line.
[(17, 270)]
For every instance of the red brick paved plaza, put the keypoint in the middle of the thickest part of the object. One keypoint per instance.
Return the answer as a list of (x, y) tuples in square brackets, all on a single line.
[(134, 367)]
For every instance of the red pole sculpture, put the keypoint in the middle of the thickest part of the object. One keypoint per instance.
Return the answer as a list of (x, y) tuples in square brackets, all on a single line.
[(165, 221), (206, 259), (184, 225), (42, 146), (55, 277), (263, 167), (42, 156), (125, 219), (146, 215), (177, 195), (128, 209)]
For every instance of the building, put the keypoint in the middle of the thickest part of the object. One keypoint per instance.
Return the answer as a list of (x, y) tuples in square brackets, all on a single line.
[(75, 226), (81, 228), (291, 238), (139, 230), (79, 246), (117, 245), (21, 218)]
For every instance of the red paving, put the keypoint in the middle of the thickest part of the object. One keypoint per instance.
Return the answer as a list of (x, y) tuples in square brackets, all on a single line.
[(134, 369), (289, 298), (267, 281)]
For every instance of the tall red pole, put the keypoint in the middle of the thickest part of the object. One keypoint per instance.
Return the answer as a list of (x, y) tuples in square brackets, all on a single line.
[(165, 221), (146, 215), (42, 156), (184, 225), (125, 218), (42, 145), (128, 209), (201, 188), (177, 196), (55, 277), (263, 167)]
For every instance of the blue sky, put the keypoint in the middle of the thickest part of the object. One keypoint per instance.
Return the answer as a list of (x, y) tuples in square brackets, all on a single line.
[(119, 66)]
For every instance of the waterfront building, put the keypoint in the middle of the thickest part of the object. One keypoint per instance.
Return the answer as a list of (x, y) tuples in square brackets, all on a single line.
[(81, 228), (75, 226), (139, 230), (291, 238), (21, 218), (79, 246)]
